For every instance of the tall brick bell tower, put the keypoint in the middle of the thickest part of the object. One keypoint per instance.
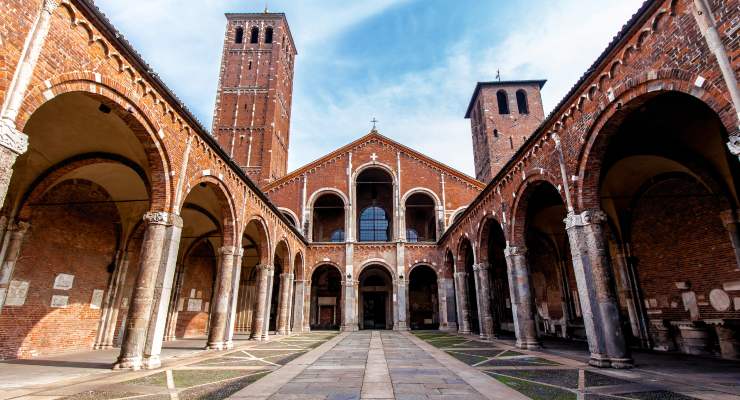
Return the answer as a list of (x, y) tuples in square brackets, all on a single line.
[(252, 116), (502, 116)]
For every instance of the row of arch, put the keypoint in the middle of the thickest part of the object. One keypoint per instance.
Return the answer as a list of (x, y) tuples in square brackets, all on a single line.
[(502, 100), (254, 35), (656, 188)]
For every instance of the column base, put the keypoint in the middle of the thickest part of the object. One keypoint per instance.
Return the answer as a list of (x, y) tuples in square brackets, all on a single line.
[(463, 331), (349, 328), (132, 363), (229, 345), (215, 346), (528, 344), (484, 336), (283, 332), (451, 327), (152, 362), (600, 361)]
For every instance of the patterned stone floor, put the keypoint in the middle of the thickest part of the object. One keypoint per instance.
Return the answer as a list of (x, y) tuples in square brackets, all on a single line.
[(214, 376), (540, 375)]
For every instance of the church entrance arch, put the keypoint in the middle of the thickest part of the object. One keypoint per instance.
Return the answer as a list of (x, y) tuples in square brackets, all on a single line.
[(376, 298)]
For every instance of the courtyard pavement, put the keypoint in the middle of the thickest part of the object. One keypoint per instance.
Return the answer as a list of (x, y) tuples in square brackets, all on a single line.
[(423, 365)]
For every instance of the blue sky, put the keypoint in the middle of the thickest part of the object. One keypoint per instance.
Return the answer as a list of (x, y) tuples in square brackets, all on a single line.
[(413, 64)]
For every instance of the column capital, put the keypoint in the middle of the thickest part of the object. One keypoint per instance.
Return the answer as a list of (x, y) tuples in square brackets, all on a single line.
[(227, 250), (11, 138), (483, 266), (730, 217), (159, 218), (239, 252), (20, 227), (265, 267), (734, 145), (461, 273), (50, 6), (515, 251), (588, 217)]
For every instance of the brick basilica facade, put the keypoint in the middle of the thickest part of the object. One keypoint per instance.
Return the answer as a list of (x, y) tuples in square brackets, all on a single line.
[(125, 223)]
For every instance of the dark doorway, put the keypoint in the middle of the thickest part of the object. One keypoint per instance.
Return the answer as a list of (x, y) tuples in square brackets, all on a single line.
[(376, 288), (423, 300), (373, 304), (326, 298)]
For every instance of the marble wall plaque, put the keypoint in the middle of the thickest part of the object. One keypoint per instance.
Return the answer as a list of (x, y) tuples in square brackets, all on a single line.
[(180, 304), (690, 304), (59, 301), (195, 304), (192, 292), (207, 307), (17, 291), (97, 298), (124, 302), (719, 300), (64, 282)]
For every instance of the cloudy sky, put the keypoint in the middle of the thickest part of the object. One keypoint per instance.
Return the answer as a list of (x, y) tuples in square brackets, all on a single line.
[(413, 64)]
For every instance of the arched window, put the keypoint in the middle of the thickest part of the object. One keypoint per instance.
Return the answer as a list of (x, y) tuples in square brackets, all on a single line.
[(290, 218), (421, 221), (254, 36), (328, 218), (374, 225), (503, 102), (521, 101), (495, 133), (268, 35), (374, 202), (239, 36)]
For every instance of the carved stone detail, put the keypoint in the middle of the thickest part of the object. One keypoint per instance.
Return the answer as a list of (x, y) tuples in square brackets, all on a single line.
[(585, 218), (50, 6), (515, 251), (13, 139), (158, 218)]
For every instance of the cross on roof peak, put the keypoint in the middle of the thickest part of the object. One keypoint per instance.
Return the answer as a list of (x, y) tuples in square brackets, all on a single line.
[(374, 121)]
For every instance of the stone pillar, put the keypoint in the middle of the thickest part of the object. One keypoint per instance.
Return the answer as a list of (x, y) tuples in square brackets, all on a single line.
[(463, 309), (222, 299), (447, 289), (283, 314), (116, 295), (401, 323), (483, 286), (170, 332), (109, 301), (13, 142), (142, 301), (162, 293), (307, 307), (730, 219), (268, 303), (349, 314), (17, 233), (263, 279), (596, 290), (234, 301), (520, 289), (299, 306)]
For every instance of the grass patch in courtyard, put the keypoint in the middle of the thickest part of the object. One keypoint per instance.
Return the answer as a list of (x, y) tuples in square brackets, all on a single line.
[(595, 379), (108, 395), (219, 390), (518, 362), (158, 379), (567, 378), (534, 390), (469, 359), (657, 395)]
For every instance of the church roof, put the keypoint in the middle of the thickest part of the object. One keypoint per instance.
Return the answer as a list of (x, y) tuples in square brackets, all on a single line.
[(375, 135)]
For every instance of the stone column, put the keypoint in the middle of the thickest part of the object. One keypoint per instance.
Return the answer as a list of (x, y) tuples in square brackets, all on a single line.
[(401, 323), (520, 289), (349, 314), (17, 233), (596, 290), (106, 308), (170, 331), (12, 141), (162, 293), (286, 280), (263, 279), (730, 219), (463, 309), (142, 301), (447, 291), (307, 307), (222, 300), (233, 303), (483, 285), (298, 305), (268, 303), (109, 329)]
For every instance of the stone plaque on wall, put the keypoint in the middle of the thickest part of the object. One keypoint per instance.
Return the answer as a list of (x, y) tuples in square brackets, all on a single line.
[(180, 304), (17, 291), (97, 299), (690, 304), (195, 304), (64, 282), (59, 301), (719, 300)]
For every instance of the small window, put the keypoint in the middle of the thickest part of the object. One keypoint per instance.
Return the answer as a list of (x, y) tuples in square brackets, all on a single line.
[(268, 35), (250, 65), (521, 101), (239, 36), (511, 142), (503, 102), (495, 133), (254, 37)]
